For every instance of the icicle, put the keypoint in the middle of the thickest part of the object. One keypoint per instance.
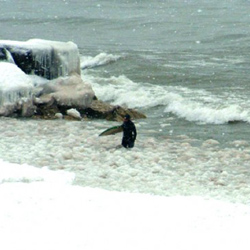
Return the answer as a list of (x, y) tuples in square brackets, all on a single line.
[(9, 56), (55, 59)]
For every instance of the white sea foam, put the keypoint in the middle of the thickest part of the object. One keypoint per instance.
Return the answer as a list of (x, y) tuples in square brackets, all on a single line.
[(208, 62), (123, 91), (99, 60), (197, 112), (163, 167)]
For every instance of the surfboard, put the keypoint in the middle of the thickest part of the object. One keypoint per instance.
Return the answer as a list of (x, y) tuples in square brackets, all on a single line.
[(112, 131)]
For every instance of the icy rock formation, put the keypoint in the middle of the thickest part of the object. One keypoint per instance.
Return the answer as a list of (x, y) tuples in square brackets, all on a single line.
[(49, 59), (47, 69)]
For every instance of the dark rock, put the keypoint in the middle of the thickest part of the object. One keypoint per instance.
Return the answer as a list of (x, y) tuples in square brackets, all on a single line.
[(101, 110), (28, 109), (46, 109), (49, 108)]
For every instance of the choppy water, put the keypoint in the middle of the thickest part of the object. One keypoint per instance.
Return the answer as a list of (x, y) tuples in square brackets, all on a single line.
[(184, 63)]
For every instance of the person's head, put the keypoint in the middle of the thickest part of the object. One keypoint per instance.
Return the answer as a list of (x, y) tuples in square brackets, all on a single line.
[(127, 117)]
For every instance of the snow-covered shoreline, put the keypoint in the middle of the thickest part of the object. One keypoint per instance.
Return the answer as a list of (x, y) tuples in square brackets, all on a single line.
[(49, 213)]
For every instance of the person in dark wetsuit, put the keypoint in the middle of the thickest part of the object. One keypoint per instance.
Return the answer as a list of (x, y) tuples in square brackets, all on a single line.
[(129, 133)]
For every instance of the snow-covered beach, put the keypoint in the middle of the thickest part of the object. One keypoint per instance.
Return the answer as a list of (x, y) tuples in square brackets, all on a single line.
[(40, 209)]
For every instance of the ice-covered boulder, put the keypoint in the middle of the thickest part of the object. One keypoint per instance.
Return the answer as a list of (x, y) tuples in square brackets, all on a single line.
[(49, 59), (68, 91)]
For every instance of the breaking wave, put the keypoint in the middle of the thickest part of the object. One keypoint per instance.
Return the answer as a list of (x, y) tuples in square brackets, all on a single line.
[(190, 104), (99, 60), (196, 112)]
